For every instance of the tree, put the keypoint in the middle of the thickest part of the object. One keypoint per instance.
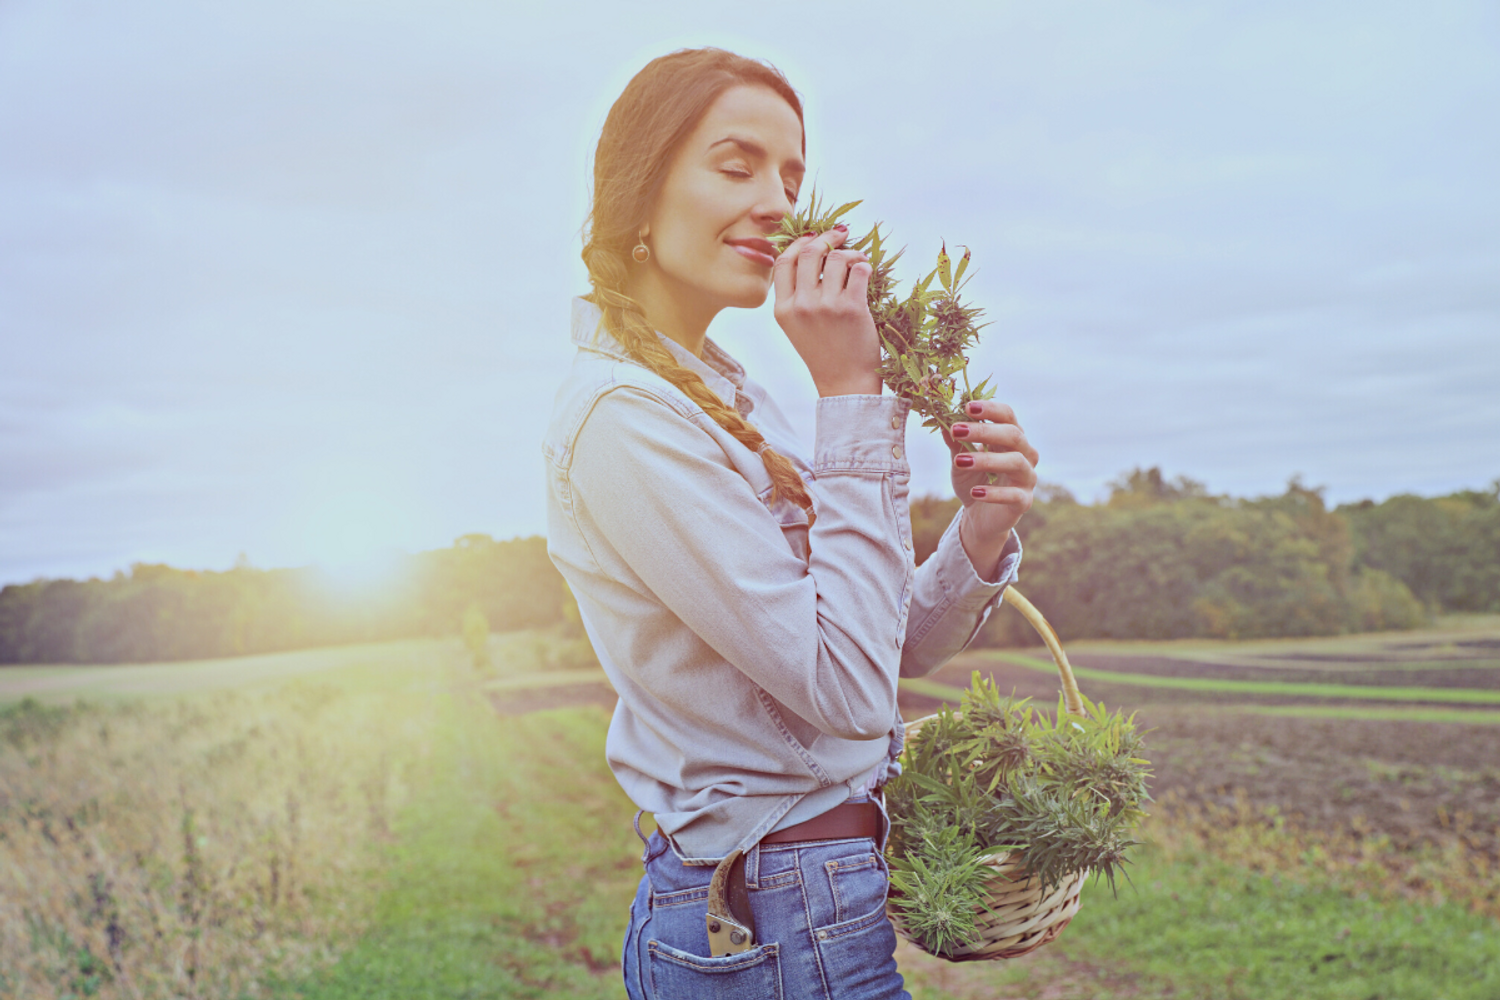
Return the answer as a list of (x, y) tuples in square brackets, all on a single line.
[(476, 632)]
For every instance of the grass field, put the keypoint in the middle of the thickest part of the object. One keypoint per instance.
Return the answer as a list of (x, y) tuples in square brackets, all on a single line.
[(385, 821)]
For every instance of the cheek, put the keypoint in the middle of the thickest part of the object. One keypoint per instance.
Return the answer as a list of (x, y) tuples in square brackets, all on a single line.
[(700, 212), (706, 209)]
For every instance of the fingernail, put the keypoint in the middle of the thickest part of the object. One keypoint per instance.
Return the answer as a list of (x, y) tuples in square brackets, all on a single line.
[(843, 226), (809, 233), (960, 430), (976, 408), (977, 493), (964, 461)]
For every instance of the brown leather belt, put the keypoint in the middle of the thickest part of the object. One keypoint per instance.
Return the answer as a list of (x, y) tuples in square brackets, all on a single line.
[(844, 821)]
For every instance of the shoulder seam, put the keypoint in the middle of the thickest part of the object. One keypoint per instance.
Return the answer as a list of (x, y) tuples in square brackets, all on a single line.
[(618, 379)]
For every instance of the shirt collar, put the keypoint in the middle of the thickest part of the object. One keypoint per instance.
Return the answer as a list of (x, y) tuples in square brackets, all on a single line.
[(724, 375)]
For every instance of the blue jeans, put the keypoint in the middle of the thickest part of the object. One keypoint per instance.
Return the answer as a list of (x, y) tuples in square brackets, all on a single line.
[(820, 922)]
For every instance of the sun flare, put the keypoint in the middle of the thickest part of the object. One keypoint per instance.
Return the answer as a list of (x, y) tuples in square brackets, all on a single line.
[(351, 536)]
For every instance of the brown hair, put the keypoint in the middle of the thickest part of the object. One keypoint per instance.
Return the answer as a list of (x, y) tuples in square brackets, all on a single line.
[(659, 108)]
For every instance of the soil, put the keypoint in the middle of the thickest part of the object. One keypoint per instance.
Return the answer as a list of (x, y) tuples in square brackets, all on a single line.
[(1484, 675), (1432, 784), (1481, 674), (526, 700), (1419, 783)]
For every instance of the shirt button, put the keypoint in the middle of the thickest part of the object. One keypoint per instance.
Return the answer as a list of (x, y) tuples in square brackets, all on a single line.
[(895, 423), (896, 450), (907, 543)]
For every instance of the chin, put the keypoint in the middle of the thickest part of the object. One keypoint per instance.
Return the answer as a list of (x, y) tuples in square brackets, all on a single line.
[(748, 296)]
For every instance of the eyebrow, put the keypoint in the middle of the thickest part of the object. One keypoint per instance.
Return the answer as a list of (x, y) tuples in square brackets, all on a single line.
[(796, 167)]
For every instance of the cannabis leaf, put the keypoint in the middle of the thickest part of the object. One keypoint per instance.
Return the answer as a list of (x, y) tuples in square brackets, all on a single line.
[(1060, 792), (924, 336)]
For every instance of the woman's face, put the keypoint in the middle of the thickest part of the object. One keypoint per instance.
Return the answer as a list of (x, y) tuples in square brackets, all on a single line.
[(728, 187)]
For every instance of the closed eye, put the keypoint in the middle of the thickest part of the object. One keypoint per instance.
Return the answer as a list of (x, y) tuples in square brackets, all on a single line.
[(791, 195)]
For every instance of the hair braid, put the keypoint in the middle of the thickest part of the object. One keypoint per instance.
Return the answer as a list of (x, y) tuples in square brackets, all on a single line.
[(658, 109), (627, 322)]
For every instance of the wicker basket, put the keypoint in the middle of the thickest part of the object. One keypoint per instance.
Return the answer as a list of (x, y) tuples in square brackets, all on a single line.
[(1020, 918)]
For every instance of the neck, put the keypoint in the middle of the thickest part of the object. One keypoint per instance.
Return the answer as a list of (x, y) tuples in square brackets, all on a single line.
[(672, 310)]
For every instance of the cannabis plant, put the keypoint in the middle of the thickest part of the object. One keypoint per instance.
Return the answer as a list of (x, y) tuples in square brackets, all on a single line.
[(1060, 793), (924, 335)]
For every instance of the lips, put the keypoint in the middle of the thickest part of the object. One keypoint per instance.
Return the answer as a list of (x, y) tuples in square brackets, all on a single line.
[(756, 249)]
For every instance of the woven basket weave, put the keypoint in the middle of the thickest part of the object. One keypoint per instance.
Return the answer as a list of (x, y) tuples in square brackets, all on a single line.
[(1020, 918)]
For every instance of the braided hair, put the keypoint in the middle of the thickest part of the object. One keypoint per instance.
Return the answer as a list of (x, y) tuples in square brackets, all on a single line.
[(659, 108)]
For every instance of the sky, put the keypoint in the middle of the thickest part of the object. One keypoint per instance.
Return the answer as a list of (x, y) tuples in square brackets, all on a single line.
[(290, 282)]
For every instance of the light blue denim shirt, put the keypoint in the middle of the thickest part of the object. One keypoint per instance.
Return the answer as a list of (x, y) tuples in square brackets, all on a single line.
[(755, 659)]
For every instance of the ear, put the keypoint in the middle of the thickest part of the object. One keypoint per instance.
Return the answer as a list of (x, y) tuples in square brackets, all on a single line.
[(645, 231)]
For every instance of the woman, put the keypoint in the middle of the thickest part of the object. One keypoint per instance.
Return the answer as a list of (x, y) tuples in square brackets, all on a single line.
[(752, 605)]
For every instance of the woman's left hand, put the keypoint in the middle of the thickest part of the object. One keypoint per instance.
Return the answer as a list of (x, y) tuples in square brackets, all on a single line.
[(991, 510)]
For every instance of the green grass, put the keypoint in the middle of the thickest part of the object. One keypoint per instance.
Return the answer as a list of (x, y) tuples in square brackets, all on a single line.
[(512, 864), (529, 900), (1466, 696), (512, 872), (1215, 930)]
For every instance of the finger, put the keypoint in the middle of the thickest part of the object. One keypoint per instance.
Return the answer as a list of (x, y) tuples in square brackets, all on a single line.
[(810, 258), (989, 409), (859, 285), (998, 437), (836, 271), (1008, 496), (1010, 464), (784, 271)]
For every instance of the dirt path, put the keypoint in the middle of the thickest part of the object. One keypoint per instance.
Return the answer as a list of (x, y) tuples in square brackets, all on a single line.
[(523, 701), (65, 683)]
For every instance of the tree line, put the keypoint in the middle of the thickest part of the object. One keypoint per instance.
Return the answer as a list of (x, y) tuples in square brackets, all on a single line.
[(156, 612), (1159, 559), (1164, 559)]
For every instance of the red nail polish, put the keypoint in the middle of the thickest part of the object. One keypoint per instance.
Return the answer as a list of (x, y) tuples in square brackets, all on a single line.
[(976, 408), (964, 461), (977, 493), (842, 225), (960, 430)]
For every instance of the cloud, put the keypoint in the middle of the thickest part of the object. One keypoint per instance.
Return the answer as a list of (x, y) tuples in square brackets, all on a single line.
[(255, 256)]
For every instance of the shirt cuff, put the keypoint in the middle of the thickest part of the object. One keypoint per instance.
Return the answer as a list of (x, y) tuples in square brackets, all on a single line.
[(964, 587), (861, 434)]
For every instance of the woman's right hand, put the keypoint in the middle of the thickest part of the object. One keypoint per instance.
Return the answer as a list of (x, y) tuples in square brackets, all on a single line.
[(828, 321)]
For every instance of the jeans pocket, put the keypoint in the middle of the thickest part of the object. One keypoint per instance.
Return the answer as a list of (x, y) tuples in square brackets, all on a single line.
[(859, 884), (750, 975), (640, 912), (859, 958)]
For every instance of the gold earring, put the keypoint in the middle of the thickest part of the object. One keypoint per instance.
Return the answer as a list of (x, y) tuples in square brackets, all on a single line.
[(641, 253)]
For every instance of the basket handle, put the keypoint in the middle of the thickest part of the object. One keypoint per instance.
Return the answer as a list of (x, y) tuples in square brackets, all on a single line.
[(1071, 697)]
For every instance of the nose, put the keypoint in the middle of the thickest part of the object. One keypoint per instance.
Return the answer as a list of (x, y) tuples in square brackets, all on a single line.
[(773, 207)]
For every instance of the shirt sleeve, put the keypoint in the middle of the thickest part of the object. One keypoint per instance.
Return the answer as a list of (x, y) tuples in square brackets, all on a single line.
[(950, 601), (824, 636)]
